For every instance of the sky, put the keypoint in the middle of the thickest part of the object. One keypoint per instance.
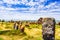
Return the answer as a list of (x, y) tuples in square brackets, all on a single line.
[(29, 9)]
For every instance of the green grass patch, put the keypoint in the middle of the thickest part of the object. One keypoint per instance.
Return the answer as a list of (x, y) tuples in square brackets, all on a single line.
[(1, 39)]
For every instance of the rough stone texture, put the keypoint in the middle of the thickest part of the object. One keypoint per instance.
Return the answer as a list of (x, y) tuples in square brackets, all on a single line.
[(15, 26), (48, 28), (39, 21)]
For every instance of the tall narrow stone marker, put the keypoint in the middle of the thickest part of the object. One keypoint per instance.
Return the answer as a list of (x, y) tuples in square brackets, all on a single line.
[(48, 28)]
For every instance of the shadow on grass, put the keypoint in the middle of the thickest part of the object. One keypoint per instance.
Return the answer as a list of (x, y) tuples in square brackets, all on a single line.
[(11, 32)]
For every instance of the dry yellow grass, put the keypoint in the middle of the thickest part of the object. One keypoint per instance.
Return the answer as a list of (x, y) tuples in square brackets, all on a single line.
[(32, 34)]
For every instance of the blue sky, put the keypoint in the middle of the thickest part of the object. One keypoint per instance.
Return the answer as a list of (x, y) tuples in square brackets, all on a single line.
[(29, 9)]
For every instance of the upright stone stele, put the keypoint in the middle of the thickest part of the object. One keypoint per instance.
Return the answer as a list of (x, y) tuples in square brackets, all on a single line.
[(48, 29)]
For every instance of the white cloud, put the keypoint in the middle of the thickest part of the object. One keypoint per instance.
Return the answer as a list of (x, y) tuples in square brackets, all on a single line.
[(52, 4), (42, 0), (17, 16), (10, 1), (9, 13), (1, 2), (15, 1), (39, 8)]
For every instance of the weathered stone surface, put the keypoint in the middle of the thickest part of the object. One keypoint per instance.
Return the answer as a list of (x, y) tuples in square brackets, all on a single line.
[(15, 26), (39, 21), (48, 28)]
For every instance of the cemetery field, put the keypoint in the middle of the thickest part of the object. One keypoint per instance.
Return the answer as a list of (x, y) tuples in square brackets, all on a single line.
[(33, 32)]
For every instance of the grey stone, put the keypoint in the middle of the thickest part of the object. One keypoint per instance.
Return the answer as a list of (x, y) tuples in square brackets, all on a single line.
[(48, 28)]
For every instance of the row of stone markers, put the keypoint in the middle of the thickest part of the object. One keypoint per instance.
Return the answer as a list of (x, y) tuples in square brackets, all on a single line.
[(48, 28)]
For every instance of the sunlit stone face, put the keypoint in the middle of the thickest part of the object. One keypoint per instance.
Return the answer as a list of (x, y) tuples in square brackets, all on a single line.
[(48, 27)]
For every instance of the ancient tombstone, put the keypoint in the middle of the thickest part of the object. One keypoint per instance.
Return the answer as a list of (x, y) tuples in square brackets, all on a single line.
[(48, 28)]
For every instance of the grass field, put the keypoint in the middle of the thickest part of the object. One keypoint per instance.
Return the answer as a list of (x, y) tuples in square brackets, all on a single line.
[(34, 32)]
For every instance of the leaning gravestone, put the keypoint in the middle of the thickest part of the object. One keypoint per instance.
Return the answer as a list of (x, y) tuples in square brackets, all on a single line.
[(48, 28)]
